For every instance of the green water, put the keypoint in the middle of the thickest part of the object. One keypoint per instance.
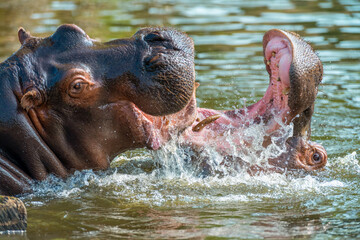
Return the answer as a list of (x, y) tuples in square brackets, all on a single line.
[(135, 202)]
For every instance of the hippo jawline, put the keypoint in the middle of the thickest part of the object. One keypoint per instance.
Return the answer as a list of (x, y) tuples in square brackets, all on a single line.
[(290, 97)]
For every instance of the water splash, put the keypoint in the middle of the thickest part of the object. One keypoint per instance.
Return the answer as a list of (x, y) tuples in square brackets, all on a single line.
[(169, 177), (178, 186), (177, 159)]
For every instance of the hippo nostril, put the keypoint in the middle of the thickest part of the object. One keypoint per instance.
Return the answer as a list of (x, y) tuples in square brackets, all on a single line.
[(154, 37), (155, 58), (153, 63), (316, 157)]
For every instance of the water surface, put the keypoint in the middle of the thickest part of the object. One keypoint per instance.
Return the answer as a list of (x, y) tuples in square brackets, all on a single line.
[(135, 199)]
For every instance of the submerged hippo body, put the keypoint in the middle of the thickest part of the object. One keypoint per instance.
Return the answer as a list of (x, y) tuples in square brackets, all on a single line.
[(69, 103)]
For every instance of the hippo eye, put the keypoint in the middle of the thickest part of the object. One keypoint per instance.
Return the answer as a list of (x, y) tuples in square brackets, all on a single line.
[(77, 87), (316, 157)]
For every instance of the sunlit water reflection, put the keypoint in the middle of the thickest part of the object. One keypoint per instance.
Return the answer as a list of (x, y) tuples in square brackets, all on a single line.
[(157, 195)]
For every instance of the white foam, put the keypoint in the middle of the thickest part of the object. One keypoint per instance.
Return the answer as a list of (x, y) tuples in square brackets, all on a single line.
[(177, 160), (178, 182)]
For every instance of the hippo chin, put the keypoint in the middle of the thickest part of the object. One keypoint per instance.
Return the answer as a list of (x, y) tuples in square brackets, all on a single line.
[(70, 103), (295, 74)]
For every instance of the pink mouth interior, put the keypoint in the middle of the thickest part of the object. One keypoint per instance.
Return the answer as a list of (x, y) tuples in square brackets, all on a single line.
[(278, 57), (144, 130)]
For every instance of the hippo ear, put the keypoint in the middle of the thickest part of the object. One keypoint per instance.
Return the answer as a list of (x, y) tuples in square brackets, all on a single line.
[(23, 35), (31, 99)]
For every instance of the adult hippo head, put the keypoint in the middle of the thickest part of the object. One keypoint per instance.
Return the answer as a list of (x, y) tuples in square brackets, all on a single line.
[(68, 102), (295, 73)]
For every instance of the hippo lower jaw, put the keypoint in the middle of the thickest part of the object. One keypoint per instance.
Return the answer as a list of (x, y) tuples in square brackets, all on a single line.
[(289, 99)]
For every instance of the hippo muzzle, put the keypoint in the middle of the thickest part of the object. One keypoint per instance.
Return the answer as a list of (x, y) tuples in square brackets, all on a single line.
[(69, 102)]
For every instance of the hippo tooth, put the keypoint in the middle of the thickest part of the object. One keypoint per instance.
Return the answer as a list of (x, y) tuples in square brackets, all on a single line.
[(198, 127), (286, 91)]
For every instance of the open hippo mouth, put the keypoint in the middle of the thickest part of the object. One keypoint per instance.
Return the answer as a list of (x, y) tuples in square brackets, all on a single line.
[(295, 73)]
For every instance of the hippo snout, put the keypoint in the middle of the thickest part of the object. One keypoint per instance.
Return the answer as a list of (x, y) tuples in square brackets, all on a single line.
[(166, 82)]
